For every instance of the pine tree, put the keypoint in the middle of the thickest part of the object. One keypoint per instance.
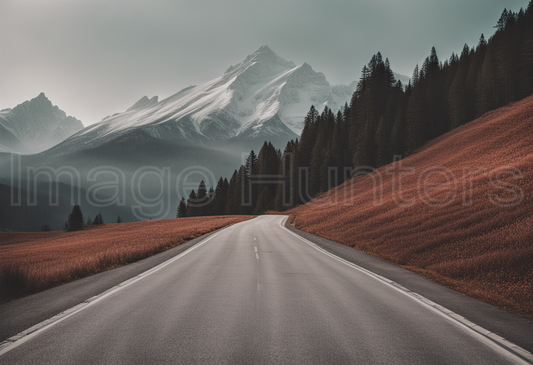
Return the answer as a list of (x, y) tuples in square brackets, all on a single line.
[(317, 156), (202, 200), (75, 219), (264, 202), (182, 209), (250, 181), (382, 143), (89, 221), (242, 203), (192, 209), (268, 162), (487, 98), (232, 195), (98, 219), (303, 154), (208, 209), (219, 198), (285, 191), (458, 98), (416, 115), (526, 61)]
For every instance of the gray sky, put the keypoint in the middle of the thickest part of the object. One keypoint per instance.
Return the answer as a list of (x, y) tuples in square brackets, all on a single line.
[(93, 58)]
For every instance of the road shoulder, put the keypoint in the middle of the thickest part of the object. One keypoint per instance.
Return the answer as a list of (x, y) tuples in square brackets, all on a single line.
[(514, 328), (21, 314)]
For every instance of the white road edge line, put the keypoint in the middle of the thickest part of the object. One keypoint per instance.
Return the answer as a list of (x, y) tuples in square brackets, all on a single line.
[(497, 343), (24, 336)]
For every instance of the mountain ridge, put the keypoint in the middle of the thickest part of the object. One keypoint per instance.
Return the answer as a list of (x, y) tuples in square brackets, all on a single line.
[(35, 125), (263, 97)]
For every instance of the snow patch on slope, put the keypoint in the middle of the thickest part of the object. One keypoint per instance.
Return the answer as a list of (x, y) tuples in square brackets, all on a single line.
[(262, 96)]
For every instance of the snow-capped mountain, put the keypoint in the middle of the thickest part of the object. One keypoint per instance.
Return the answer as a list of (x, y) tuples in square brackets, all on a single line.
[(35, 126), (261, 98)]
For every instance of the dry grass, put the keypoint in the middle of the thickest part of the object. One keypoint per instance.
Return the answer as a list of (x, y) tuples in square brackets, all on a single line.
[(32, 262), (480, 249)]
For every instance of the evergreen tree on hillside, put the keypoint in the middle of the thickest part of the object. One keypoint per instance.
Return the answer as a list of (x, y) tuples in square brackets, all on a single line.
[(264, 202), (526, 48), (458, 98), (286, 190), (208, 210), (219, 198), (303, 154), (315, 165), (75, 219), (202, 200), (98, 219), (487, 96), (415, 117), (268, 165), (241, 193), (231, 197), (250, 182), (192, 209), (182, 209)]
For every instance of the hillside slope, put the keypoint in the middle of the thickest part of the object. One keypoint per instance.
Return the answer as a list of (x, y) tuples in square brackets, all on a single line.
[(32, 262), (461, 213)]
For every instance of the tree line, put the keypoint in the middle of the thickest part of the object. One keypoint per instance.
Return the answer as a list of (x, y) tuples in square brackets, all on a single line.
[(384, 119), (75, 220), (250, 190)]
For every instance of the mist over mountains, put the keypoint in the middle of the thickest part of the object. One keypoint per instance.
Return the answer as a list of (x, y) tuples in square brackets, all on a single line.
[(210, 126), (200, 133)]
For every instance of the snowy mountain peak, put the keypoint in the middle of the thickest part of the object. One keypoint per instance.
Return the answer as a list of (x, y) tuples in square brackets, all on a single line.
[(265, 97), (37, 124), (264, 56), (144, 102)]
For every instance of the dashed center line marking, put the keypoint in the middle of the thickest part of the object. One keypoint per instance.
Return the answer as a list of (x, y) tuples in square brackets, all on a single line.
[(257, 255), (255, 249)]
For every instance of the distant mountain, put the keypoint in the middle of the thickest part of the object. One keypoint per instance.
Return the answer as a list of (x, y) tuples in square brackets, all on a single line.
[(262, 98), (404, 79), (35, 126)]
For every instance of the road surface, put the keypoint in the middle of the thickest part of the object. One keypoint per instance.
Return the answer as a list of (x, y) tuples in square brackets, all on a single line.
[(255, 293)]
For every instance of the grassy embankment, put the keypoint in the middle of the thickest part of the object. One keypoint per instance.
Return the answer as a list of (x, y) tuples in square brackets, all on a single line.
[(453, 228), (32, 262)]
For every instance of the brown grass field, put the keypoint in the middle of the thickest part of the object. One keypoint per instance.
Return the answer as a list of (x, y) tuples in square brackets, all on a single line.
[(470, 240), (32, 262)]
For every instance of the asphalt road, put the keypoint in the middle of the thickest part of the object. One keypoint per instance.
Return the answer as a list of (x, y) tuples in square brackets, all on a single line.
[(256, 293)]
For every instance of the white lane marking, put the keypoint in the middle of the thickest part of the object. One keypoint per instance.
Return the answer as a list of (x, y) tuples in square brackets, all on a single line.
[(257, 255), (255, 239), (255, 248), (497, 343), (39, 328)]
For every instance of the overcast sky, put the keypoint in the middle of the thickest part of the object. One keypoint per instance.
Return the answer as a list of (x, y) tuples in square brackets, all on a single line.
[(93, 58)]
